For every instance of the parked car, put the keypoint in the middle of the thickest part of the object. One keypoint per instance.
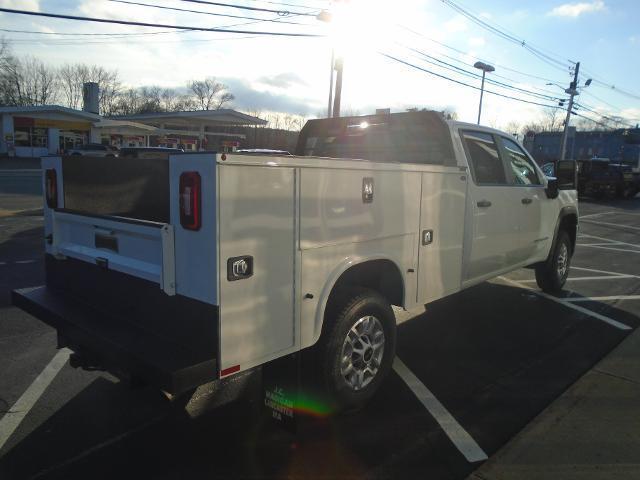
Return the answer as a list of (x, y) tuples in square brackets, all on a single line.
[(599, 177), (147, 152), (628, 182), (263, 151), (94, 150), (196, 268)]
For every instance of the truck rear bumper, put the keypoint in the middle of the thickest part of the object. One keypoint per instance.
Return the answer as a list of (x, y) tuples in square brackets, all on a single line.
[(117, 345)]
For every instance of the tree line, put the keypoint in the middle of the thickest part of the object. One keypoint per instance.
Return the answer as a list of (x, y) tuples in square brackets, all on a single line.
[(28, 81)]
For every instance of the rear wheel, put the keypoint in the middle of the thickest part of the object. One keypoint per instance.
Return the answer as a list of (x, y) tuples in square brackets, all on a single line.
[(357, 348), (552, 274)]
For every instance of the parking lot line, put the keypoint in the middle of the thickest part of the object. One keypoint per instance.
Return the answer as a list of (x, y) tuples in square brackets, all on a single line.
[(595, 215), (579, 279), (612, 242), (601, 271), (613, 248), (608, 224), (606, 244), (458, 435), (25, 403), (562, 301), (599, 299)]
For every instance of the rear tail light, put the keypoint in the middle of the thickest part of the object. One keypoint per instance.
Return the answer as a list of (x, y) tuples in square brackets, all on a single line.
[(190, 204), (51, 187)]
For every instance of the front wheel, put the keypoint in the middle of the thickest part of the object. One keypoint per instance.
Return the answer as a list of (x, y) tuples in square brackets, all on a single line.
[(357, 348), (552, 274)]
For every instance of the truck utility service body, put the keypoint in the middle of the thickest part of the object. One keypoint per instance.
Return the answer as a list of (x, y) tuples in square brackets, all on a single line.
[(195, 268)]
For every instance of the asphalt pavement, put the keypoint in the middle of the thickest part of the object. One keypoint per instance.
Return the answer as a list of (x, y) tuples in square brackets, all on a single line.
[(494, 358)]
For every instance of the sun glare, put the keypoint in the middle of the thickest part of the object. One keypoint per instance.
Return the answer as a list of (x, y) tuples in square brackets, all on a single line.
[(359, 25)]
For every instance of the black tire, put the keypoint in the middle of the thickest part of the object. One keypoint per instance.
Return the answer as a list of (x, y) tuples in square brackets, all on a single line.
[(354, 309), (550, 275)]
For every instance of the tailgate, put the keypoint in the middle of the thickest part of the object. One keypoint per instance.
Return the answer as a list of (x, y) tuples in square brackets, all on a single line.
[(140, 248)]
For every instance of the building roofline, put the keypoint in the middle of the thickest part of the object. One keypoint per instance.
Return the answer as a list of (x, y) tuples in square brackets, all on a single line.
[(194, 114), (51, 108)]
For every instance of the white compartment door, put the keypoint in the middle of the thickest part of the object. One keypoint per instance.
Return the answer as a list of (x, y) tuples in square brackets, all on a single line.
[(442, 220), (257, 253)]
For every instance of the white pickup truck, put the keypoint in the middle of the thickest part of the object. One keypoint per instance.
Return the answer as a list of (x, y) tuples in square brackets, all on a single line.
[(193, 269)]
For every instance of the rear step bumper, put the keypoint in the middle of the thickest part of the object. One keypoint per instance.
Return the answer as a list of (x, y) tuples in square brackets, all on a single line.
[(116, 345)]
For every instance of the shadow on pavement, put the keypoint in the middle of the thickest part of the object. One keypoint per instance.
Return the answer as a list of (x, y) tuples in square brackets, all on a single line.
[(494, 355)]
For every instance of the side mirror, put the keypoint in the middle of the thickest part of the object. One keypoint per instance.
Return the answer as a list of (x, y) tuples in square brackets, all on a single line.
[(552, 189)]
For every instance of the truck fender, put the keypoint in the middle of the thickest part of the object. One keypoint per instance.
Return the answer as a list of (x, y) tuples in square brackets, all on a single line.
[(334, 278), (564, 212)]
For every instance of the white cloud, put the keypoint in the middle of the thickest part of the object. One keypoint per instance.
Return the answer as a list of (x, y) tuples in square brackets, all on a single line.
[(456, 24), (33, 5), (477, 41), (574, 10)]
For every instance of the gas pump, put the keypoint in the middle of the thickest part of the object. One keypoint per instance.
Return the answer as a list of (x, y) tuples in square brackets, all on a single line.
[(229, 146)]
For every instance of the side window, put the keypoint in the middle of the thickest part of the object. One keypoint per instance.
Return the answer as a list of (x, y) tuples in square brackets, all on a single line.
[(524, 172), (486, 165)]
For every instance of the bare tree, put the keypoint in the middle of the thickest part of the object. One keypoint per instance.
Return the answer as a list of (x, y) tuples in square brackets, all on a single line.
[(150, 100), (25, 82), (513, 127), (72, 78), (173, 101), (210, 94), (128, 102), (70, 86), (40, 81), (552, 119)]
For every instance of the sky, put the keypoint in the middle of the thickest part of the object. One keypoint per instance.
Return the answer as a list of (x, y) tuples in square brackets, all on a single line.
[(291, 75)]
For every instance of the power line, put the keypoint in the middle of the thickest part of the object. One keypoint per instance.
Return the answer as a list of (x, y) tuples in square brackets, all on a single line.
[(461, 52), (287, 4), (600, 100), (475, 75), (501, 32), (534, 50), (84, 34), (254, 9), (606, 117), (462, 83), (155, 25), (69, 42), (201, 12), (591, 120), (493, 74)]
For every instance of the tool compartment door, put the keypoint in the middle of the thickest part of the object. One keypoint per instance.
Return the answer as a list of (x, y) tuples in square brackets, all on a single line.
[(257, 218)]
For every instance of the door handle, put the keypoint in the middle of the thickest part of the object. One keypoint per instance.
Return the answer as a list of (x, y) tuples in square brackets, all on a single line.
[(526, 201), (484, 203)]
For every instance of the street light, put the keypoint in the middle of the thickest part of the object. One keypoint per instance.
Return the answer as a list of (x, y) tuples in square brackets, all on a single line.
[(485, 67)]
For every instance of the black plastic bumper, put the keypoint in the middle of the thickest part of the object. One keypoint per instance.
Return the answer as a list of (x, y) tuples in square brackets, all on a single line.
[(119, 346)]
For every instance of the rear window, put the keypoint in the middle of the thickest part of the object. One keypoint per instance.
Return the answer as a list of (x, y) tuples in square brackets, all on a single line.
[(419, 137)]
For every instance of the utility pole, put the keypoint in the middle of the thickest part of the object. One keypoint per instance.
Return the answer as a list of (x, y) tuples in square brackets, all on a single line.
[(338, 97), (572, 91), (333, 54)]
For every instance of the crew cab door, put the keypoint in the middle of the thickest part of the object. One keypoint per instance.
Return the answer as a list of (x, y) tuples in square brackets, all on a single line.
[(526, 196), (492, 241)]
